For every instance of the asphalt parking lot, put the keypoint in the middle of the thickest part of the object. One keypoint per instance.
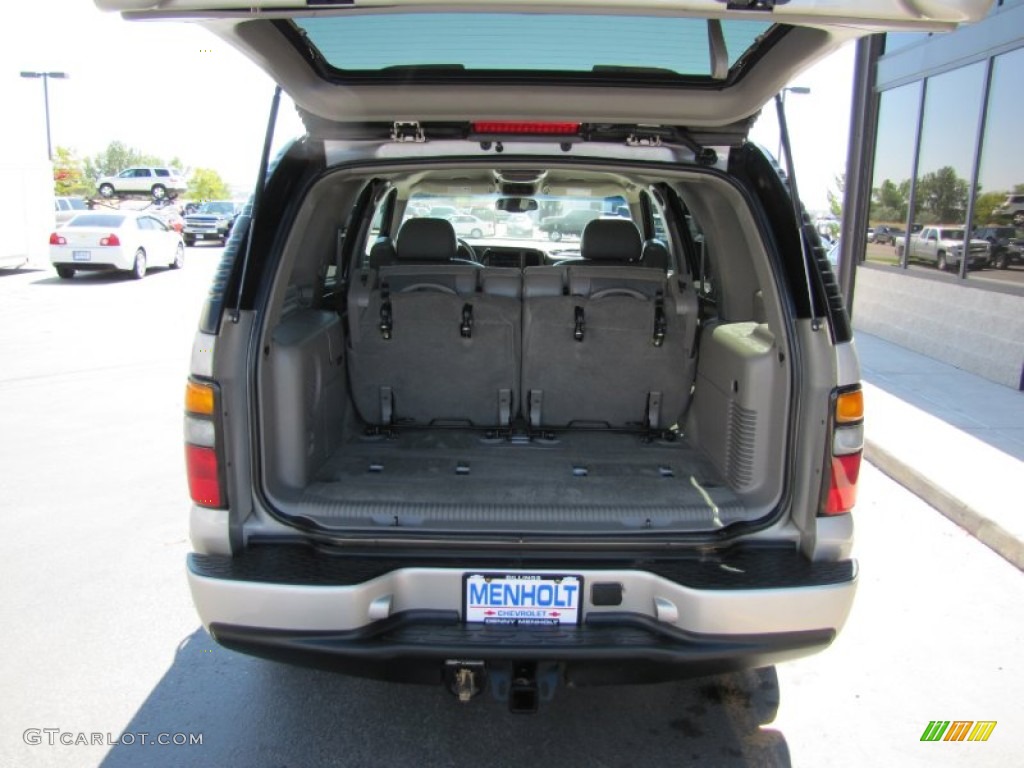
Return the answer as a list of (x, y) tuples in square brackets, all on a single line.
[(101, 637)]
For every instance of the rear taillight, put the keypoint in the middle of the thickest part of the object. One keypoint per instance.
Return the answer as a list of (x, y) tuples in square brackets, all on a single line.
[(110, 239), (203, 462), (846, 450), (56, 239)]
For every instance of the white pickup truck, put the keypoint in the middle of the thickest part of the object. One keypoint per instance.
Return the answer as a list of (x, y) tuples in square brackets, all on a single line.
[(943, 246)]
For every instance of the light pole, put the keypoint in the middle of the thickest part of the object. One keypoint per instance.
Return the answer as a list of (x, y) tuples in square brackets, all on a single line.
[(803, 90), (46, 100)]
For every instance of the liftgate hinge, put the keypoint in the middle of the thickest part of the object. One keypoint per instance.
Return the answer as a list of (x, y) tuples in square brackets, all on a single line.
[(403, 132), (642, 139)]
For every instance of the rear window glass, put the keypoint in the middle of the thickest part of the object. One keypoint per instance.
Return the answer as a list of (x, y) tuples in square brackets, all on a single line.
[(217, 208), (525, 42), (97, 220)]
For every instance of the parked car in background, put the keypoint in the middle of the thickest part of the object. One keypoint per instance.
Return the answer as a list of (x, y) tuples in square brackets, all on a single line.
[(212, 222), (131, 241), (471, 226), (571, 223), (154, 181), (943, 246), (1006, 245), (66, 208), (1012, 208), (886, 235), (442, 211), (519, 225), (833, 254), (170, 216)]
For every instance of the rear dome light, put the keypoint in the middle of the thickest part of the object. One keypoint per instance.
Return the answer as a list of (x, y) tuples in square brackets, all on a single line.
[(56, 239), (110, 239)]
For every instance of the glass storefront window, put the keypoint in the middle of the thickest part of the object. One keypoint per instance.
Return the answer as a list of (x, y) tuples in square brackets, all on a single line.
[(896, 40), (999, 205), (893, 168), (948, 139)]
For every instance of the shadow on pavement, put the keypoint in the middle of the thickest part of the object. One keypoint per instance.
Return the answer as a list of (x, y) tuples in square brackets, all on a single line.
[(257, 713), (12, 271)]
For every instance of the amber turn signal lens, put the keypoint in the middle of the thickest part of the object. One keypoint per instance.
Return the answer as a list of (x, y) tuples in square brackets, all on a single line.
[(199, 398), (850, 407)]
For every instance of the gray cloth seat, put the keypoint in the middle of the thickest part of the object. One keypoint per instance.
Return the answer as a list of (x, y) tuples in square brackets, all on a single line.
[(607, 343), (435, 342)]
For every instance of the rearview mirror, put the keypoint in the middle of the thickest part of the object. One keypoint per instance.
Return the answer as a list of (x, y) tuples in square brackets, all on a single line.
[(516, 204)]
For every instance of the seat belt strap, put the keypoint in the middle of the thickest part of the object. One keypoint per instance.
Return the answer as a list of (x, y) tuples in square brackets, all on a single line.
[(653, 410), (387, 404), (660, 324), (536, 401), (385, 312), (504, 407), (577, 332)]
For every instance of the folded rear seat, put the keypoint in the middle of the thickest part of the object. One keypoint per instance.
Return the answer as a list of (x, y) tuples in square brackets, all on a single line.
[(607, 343), (435, 342)]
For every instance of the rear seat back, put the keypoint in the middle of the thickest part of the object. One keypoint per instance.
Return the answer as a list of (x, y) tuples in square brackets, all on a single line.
[(607, 343), (436, 342)]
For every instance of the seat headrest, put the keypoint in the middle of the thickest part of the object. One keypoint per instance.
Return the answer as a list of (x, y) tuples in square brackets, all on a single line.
[(426, 240), (382, 253), (610, 240), (655, 254)]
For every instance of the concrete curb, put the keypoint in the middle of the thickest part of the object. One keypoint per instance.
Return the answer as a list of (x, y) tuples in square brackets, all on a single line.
[(988, 532)]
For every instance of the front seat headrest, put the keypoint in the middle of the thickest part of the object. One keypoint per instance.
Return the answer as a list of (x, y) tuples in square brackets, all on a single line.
[(426, 240), (615, 240)]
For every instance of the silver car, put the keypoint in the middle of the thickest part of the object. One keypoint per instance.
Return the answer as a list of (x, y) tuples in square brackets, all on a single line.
[(159, 183), (509, 468)]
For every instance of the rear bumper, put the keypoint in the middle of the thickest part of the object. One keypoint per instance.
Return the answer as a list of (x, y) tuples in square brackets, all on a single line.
[(100, 259), (395, 620), (608, 648)]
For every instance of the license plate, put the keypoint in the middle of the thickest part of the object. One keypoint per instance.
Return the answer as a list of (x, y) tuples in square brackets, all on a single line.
[(199, 236), (522, 598), (81, 255)]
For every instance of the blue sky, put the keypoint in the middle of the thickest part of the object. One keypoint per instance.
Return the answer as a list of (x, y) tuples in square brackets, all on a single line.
[(174, 89)]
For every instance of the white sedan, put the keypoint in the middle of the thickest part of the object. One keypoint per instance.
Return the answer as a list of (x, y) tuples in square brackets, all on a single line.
[(470, 226), (117, 240)]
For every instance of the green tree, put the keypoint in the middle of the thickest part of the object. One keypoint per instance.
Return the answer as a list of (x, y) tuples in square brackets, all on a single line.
[(115, 158), (889, 202), (69, 177), (942, 197), (835, 199), (984, 206), (206, 184)]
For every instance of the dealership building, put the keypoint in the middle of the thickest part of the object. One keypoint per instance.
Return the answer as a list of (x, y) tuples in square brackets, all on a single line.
[(948, 152)]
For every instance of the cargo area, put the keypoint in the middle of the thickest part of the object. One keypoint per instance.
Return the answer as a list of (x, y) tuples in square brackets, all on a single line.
[(591, 394)]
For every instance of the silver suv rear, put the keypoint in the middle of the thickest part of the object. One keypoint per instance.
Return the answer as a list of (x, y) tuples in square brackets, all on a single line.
[(503, 462)]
